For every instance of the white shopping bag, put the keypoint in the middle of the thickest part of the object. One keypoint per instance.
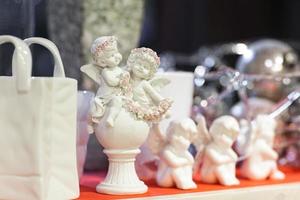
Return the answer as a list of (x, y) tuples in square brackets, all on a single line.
[(37, 129), (83, 106)]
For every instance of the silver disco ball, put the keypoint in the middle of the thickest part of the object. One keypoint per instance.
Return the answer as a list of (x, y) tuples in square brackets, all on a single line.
[(269, 57)]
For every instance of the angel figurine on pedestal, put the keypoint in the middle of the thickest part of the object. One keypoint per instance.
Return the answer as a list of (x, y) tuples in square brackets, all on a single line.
[(123, 110), (143, 64), (215, 152), (260, 162), (111, 79), (175, 161)]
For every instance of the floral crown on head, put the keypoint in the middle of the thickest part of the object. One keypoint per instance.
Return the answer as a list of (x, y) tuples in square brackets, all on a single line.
[(101, 43), (140, 52)]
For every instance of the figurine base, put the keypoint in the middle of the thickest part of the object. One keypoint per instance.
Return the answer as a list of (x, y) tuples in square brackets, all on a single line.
[(117, 189), (121, 178)]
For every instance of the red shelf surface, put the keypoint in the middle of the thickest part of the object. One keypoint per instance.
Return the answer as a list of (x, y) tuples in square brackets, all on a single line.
[(90, 180)]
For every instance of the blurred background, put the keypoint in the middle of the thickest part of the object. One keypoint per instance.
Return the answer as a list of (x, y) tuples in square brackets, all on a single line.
[(199, 36), (167, 26)]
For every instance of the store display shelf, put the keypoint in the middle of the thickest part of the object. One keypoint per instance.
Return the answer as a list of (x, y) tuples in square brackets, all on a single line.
[(247, 190)]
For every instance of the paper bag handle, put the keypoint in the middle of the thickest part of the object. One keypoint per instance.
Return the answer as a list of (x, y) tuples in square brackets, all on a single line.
[(21, 63), (58, 64)]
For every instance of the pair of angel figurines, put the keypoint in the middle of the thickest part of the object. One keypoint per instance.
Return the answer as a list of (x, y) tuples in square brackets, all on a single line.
[(126, 104), (215, 161), (136, 85)]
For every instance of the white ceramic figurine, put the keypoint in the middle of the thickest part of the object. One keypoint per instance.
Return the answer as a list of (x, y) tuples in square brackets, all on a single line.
[(111, 78), (142, 64), (261, 158), (215, 152), (175, 161), (131, 118)]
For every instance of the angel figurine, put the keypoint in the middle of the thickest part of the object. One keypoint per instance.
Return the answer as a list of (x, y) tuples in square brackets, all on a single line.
[(261, 159), (121, 120), (146, 102), (175, 160), (111, 78), (215, 152)]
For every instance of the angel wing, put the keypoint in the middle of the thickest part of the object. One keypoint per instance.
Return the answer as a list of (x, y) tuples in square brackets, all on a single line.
[(200, 143), (244, 139), (92, 71), (156, 139), (203, 135), (159, 82)]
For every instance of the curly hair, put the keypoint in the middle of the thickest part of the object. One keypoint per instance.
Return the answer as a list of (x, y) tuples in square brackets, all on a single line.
[(144, 54), (225, 124), (99, 45)]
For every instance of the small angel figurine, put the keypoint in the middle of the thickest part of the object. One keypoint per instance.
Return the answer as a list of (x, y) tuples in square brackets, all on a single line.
[(176, 162), (111, 79), (215, 151), (261, 158), (147, 103)]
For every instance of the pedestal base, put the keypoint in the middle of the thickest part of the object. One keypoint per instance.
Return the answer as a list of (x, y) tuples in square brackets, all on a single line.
[(121, 177), (121, 190)]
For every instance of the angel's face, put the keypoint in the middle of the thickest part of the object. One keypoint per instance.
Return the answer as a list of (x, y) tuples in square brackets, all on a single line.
[(267, 135), (180, 142), (111, 57), (224, 139), (141, 69)]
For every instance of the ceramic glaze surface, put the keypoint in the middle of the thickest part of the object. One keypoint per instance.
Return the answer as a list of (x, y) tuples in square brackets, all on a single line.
[(127, 133)]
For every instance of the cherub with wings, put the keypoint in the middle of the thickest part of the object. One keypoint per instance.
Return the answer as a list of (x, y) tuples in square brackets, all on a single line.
[(260, 162), (175, 161), (146, 101), (215, 153), (111, 78)]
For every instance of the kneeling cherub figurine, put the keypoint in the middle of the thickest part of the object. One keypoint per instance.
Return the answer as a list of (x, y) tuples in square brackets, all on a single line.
[(215, 151), (261, 160), (175, 164)]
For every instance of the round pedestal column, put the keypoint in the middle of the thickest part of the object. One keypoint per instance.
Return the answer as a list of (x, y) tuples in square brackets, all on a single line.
[(121, 177)]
